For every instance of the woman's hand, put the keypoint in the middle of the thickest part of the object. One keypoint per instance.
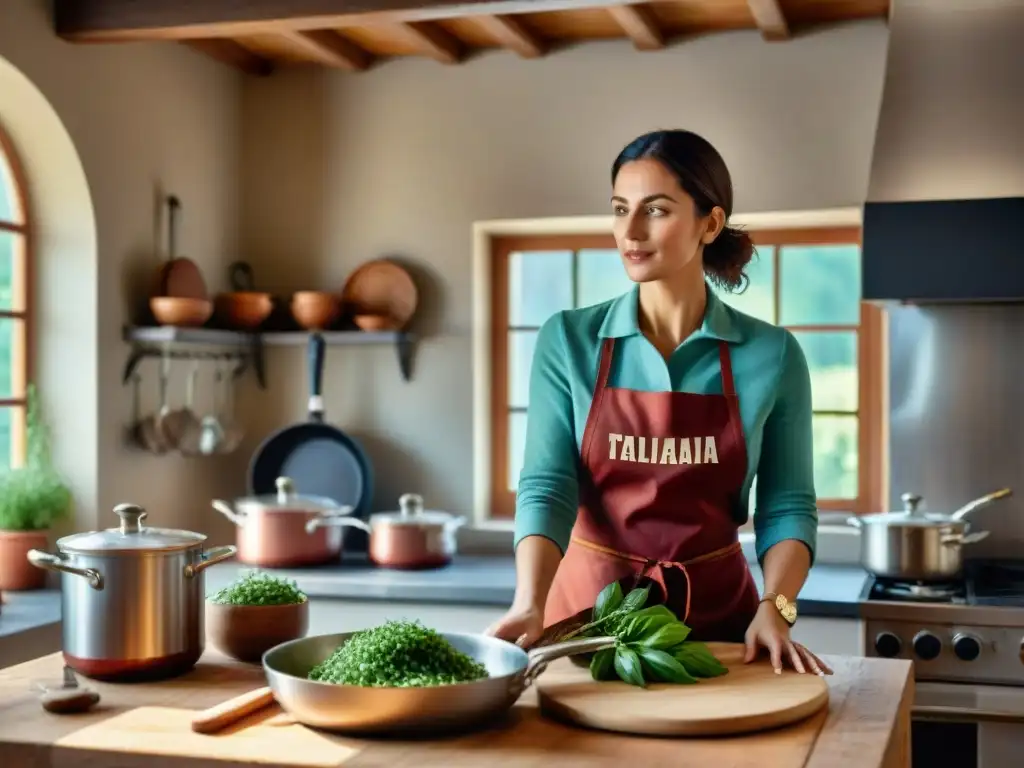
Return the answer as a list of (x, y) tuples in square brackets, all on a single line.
[(769, 630), (523, 625)]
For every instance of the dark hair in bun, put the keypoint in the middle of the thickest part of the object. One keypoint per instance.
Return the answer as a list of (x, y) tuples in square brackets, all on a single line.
[(702, 173)]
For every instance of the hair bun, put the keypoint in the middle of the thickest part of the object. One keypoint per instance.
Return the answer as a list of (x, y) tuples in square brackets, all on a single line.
[(727, 257)]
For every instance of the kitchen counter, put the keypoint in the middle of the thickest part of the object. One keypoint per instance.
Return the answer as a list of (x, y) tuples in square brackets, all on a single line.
[(867, 725), (28, 620), (832, 591)]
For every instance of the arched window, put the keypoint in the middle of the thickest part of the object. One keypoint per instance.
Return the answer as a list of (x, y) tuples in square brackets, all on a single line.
[(15, 263)]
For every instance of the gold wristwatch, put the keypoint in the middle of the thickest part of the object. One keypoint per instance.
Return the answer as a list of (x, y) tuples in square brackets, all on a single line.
[(784, 606)]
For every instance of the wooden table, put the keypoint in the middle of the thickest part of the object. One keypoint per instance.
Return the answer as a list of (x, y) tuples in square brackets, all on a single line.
[(867, 725)]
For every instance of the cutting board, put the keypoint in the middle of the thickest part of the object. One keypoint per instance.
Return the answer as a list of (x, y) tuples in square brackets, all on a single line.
[(750, 697)]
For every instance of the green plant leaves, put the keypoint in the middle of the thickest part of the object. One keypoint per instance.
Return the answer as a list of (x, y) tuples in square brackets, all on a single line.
[(636, 599), (627, 665), (698, 660), (645, 622), (608, 601), (668, 635), (664, 667), (602, 665)]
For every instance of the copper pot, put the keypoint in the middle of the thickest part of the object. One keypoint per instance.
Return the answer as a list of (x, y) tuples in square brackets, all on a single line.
[(410, 538), (272, 529)]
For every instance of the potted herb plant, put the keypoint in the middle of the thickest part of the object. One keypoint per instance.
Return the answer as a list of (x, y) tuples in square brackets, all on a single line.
[(254, 613), (33, 498)]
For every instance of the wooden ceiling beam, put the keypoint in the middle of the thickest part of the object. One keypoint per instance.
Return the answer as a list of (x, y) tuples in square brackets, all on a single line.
[(233, 54), (639, 24), (102, 21), (435, 42), (769, 18), (330, 48), (508, 31)]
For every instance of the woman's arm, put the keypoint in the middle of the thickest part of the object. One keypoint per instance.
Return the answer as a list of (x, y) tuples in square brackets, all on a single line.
[(786, 516), (548, 493)]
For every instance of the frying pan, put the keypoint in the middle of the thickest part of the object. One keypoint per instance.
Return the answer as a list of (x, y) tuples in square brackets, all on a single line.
[(320, 459), (379, 711)]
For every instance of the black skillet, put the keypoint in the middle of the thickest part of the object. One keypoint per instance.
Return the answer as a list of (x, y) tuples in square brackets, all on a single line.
[(320, 459)]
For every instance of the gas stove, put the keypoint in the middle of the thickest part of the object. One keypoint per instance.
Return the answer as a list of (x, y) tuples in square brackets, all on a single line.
[(969, 631)]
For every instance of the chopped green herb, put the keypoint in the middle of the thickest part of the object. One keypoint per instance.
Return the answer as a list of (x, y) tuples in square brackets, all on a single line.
[(398, 654), (257, 588), (651, 645)]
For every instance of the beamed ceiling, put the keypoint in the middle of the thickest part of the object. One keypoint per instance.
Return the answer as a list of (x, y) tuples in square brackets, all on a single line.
[(260, 36)]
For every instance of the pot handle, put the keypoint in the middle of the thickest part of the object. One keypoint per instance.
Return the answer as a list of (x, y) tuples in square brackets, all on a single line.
[(210, 557), (49, 562), (455, 523), (954, 539), (337, 521), (539, 658), (854, 522), (225, 509)]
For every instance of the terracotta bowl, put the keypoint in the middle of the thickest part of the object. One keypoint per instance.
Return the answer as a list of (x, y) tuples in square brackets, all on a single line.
[(315, 310), (181, 312), (243, 310), (375, 322), (246, 632)]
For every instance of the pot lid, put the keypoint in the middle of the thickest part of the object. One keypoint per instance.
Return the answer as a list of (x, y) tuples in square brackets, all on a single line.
[(130, 536), (411, 512), (912, 515), (287, 500)]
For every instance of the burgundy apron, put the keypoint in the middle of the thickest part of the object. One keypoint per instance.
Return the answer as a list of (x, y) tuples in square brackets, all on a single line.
[(663, 475)]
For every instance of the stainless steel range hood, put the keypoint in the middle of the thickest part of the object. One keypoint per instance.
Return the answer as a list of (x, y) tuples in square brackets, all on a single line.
[(944, 218)]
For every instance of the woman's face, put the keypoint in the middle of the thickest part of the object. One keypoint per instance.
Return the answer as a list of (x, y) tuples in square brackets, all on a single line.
[(657, 228)]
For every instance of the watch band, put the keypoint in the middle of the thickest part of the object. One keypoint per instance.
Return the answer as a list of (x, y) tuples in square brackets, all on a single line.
[(785, 608)]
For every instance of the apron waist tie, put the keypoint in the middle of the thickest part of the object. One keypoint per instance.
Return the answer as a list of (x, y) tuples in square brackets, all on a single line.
[(658, 566)]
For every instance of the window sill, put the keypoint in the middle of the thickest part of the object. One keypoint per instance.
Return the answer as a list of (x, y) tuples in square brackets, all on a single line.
[(838, 544)]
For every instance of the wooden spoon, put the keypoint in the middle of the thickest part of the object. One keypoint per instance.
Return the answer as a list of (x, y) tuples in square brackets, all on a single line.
[(220, 716)]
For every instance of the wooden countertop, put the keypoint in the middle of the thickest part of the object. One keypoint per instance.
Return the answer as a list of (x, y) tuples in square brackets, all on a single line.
[(867, 725)]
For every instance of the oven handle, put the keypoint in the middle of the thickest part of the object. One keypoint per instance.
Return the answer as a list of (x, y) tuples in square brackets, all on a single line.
[(964, 714)]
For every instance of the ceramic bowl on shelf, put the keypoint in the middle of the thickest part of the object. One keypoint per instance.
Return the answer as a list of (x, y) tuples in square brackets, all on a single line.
[(315, 310), (180, 311), (243, 310), (246, 632), (375, 322)]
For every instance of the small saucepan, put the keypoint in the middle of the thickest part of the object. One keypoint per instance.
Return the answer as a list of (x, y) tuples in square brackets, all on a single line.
[(273, 530), (408, 539), (914, 545)]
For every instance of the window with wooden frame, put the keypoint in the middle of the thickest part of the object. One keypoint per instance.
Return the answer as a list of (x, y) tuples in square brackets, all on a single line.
[(15, 262), (807, 280)]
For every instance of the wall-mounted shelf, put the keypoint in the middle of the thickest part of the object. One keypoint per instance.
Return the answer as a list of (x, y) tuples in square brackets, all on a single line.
[(155, 341)]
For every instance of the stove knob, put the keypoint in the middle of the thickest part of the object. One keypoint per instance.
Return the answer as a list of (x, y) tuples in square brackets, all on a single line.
[(927, 646), (966, 647), (887, 645)]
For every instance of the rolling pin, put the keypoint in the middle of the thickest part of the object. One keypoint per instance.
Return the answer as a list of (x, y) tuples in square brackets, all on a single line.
[(226, 713)]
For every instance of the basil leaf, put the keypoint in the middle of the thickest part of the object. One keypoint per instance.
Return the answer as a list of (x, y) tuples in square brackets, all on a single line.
[(698, 660), (636, 599), (627, 666), (667, 636), (645, 622), (609, 600), (602, 666), (663, 667)]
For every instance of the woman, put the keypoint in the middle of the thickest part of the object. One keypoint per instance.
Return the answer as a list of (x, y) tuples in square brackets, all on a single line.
[(651, 414)]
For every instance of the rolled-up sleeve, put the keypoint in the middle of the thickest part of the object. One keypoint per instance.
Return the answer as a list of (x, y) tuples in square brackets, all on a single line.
[(786, 504), (548, 490)]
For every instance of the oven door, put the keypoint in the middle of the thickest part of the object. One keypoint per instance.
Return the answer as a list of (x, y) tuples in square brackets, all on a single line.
[(959, 725)]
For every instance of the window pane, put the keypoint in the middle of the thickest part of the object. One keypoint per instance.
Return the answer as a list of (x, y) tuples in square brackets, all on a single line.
[(5, 437), (12, 266), (516, 447), (832, 359), (8, 199), (820, 284), (835, 457), (758, 299), (520, 356), (539, 284), (601, 276), (12, 356)]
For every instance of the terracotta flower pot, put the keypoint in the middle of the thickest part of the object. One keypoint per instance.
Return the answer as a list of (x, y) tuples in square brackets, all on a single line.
[(16, 572), (246, 632)]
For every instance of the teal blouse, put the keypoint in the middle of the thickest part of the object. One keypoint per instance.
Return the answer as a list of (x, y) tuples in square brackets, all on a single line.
[(771, 379)]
